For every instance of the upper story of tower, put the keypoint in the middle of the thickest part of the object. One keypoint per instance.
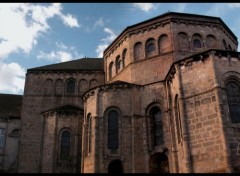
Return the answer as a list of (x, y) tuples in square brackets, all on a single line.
[(144, 52)]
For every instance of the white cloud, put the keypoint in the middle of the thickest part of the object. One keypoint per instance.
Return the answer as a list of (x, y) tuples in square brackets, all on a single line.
[(12, 78), (22, 24), (105, 42), (63, 53), (146, 7), (99, 22)]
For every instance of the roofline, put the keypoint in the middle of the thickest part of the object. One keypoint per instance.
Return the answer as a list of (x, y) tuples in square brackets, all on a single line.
[(166, 14), (36, 68)]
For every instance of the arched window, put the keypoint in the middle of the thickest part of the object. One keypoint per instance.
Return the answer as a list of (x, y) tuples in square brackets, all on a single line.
[(2, 138), (124, 57), (197, 41), (48, 87), (59, 87), (110, 70), (113, 130), (163, 43), (70, 86), (150, 47), (83, 86), (65, 145), (211, 41), (89, 130), (177, 120), (138, 51), (233, 95), (183, 41), (156, 126), (225, 44), (93, 83), (118, 64), (229, 47)]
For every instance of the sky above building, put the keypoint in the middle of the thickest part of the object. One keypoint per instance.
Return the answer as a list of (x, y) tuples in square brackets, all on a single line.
[(38, 34)]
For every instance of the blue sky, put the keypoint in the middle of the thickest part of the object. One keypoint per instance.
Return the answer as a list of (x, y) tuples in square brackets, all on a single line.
[(38, 34)]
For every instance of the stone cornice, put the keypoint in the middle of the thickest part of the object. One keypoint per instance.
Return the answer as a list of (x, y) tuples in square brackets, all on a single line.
[(188, 61), (108, 87), (37, 72)]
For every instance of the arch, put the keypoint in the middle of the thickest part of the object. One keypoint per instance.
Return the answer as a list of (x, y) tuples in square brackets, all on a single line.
[(89, 132), (233, 96), (225, 44), (83, 86), (138, 51), (15, 133), (163, 43), (158, 163), (48, 89), (229, 47), (118, 64), (150, 47), (70, 88), (65, 144), (124, 54), (183, 41), (113, 141), (154, 125), (59, 87), (93, 83), (115, 167), (177, 119), (110, 70), (197, 41), (211, 41)]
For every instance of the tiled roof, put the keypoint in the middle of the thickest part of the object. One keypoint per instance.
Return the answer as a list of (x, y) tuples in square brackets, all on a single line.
[(10, 105), (84, 64)]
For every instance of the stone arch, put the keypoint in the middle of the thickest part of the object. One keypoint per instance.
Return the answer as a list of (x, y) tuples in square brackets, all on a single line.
[(154, 125), (183, 41), (48, 89), (163, 43), (124, 54), (138, 51), (227, 76), (115, 167), (70, 86), (118, 63), (59, 87), (197, 42), (65, 143), (211, 41), (83, 86), (150, 47), (110, 69), (158, 163), (93, 83)]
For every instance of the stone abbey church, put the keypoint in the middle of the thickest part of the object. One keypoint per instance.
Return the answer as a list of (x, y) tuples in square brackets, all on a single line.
[(165, 98)]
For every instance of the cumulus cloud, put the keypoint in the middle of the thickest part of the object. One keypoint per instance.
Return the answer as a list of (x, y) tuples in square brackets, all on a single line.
[(25, 23), (105, 42), (62, 53), (12, 78), (146, 7)]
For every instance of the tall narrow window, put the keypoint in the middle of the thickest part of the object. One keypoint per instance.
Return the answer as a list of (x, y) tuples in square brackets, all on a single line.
[(163, 44), (2, 138), (225, 44), (177, 120), (197, 43), (183, 41), (65, 145), (71, 86), (233, 94), (124, 57), (150, 47), (59, 87), (156, 126), (110, 70), (113, 130), (118, 64), (138, 51), (89, 136)]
